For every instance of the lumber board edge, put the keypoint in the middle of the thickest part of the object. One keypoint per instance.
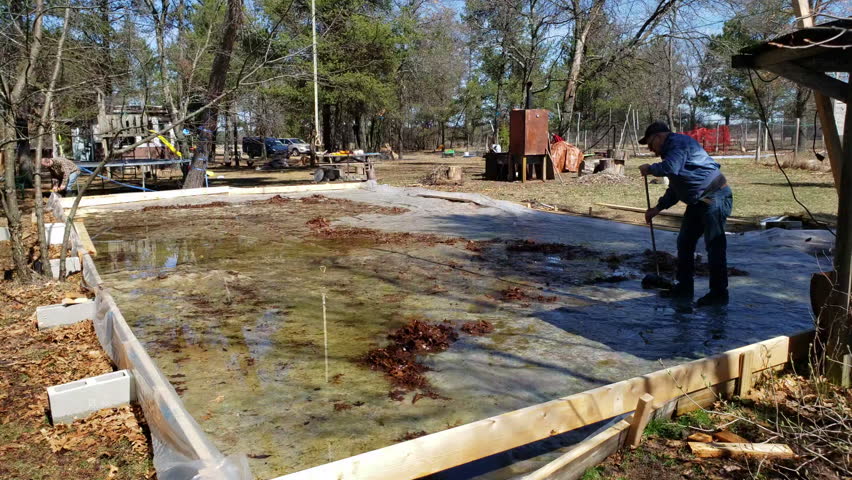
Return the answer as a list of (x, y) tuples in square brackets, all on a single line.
[(586, 454)]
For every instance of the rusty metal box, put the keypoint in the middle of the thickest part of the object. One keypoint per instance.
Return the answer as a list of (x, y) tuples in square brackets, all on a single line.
[(528, 132)]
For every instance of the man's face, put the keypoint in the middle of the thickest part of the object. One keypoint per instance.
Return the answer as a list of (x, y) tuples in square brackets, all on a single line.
[(47, 162), (655, 143)]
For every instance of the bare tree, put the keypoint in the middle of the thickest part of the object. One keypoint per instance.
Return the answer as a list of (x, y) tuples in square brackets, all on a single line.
[(13, 93), (218, 76)]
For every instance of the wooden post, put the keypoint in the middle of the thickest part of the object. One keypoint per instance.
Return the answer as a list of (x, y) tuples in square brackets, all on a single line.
[(523, 170), (644, 408), (796, 140), (846, 376), (757, 148), (746, 369)]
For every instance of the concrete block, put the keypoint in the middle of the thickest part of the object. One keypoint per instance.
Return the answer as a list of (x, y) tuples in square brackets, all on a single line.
[(4, 234), (54, 232), (50, 316), (72, 264), (81, 398)]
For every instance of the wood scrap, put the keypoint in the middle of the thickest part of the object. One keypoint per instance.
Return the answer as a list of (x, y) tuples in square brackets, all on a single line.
[(700, 437), (740, 450), (726, 436)]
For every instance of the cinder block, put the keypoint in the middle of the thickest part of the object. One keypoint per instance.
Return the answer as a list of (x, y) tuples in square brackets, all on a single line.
[(54, 233), (81, 398), (50, 316), (72, 264)]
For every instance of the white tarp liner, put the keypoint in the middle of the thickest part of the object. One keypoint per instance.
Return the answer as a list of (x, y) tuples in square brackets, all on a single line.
[(182, 451)]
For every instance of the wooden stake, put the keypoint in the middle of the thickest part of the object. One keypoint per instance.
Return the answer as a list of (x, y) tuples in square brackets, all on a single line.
[(746, 369), (524, 170), (846, 373), (753, 450), (640, 419)]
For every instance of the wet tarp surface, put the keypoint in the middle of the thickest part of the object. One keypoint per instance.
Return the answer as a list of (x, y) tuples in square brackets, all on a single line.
[(228, 300)]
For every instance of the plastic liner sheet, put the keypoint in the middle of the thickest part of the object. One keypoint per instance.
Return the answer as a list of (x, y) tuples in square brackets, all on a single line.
[(182, 451)]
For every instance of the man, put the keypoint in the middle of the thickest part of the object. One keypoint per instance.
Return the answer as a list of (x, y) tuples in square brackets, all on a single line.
[(63, 173), (694, 179)]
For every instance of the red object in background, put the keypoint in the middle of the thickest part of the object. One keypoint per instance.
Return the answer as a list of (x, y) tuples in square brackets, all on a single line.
[(712, 139), (557, 139)]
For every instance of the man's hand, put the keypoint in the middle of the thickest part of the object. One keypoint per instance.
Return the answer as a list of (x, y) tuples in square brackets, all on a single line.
[(644, 169), (651, 213), (55, 189)]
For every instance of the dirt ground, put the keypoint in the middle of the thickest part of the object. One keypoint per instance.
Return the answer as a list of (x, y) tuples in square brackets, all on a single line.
[(110, 444), (809, 415), (760, 189)]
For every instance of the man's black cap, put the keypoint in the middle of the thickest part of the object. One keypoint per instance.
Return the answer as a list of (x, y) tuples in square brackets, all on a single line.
[(656, 127)]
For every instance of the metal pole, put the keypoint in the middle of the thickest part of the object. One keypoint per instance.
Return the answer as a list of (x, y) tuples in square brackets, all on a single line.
[(577, 140), (717, 137), (317, 137)]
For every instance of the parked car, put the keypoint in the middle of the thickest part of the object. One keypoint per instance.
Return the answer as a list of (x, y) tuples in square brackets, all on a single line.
[(296, 145), (254, 146)]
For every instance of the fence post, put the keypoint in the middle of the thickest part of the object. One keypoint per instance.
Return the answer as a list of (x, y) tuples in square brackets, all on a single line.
[(757, 147), (796, 148)]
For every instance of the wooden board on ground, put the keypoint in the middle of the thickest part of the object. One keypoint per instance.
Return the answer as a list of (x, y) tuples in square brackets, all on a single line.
[(626, 208), (738, 450), (85, 239), (584, 455)]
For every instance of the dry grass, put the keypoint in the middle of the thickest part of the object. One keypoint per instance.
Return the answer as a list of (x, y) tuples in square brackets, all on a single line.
[(811, 416), (759, 190)]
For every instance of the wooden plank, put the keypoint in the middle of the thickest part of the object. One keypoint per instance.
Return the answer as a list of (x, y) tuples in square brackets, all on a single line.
[(738, 450), (85, 239), (296, 188), (705, 397), (644, 408), (667, 214), (584, 455), (746, 369), (142, 196), (449, 448), (817, 81)]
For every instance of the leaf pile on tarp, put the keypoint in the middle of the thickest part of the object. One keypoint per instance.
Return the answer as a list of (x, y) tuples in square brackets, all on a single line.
[(399, 359)]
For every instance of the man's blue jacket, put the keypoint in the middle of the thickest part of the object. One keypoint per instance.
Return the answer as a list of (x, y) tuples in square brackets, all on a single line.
[(689, 168)]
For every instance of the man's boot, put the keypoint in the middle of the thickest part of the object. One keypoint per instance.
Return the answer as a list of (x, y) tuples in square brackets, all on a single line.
[(713, 298), (680, 291)]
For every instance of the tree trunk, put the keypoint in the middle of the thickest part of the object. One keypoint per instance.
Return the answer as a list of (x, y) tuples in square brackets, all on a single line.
[(46, 111), (235, 138), (226, 141), (216, 86), (572, 84), (356, 130), (13, 213)]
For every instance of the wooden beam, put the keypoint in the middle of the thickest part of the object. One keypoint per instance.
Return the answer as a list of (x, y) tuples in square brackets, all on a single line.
[(739, 450), (449, 448), (817, 81), (626, 208), (84, 238), (746, 369), (640, 420), (584, 455)]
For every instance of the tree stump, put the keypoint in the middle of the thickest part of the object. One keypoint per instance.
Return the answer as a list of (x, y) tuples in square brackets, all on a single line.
[(454, 174)]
